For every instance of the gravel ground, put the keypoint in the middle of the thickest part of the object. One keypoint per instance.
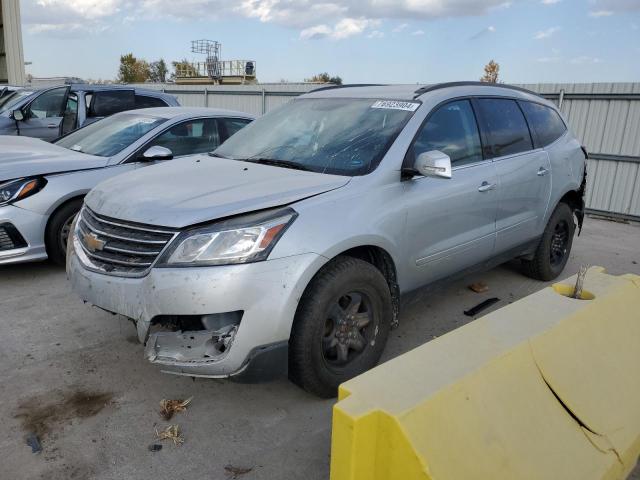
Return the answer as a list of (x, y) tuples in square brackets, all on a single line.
[(62, 361)]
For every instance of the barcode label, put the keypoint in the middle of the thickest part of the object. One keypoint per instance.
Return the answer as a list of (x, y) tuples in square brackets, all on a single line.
[(396, 105)]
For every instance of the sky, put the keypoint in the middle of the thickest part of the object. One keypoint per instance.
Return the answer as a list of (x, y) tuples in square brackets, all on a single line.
[(362, 41)]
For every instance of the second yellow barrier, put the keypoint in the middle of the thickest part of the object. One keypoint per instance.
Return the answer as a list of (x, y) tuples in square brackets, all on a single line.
[(545, 388)]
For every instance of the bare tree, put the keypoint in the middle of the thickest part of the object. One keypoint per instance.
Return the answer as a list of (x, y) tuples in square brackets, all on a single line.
[(491, 72)]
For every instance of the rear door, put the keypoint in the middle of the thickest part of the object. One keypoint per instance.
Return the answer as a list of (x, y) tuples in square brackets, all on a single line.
[(451, 222), (44, 114), (524, 173), (107, 102)]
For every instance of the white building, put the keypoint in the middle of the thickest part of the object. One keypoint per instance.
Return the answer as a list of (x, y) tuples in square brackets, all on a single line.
[(11, 53)]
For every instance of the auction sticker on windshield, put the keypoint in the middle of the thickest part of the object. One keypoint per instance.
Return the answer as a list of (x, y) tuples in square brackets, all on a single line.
[(396, 105)]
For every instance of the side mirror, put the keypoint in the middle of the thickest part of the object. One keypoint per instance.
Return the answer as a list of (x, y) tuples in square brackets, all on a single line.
[(18, 115), (433, 164), (157, 153)]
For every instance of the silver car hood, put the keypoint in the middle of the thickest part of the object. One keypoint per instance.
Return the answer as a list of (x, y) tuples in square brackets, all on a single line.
[(201, 188), (26, 156)]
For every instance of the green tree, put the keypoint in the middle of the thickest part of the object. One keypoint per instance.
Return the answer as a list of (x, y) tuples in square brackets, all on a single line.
[(158, 71), (184, 68), (324, 78), (133, 70), (491, 72)]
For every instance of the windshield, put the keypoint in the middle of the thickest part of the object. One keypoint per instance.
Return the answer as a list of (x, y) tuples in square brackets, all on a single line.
[(342, 136), (10, 99), (110, 135)]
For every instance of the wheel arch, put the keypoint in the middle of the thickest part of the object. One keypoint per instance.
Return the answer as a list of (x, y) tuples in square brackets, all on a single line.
[(58, 206), (377, 256)]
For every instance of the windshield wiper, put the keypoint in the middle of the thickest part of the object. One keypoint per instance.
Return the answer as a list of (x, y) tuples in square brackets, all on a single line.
[(278, 163)]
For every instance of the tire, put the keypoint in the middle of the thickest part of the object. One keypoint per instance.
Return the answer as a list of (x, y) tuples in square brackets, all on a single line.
[(554, 248), (57, 232), (347, 307)]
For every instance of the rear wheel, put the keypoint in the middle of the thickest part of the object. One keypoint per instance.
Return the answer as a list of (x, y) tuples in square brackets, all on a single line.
[(341, 326), (59, 229), (554, 248)]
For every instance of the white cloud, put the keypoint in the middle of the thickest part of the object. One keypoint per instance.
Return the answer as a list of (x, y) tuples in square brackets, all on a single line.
[(400, 28), (600, 13), (585, 59), (417, 32), (375, 34), (329, 18), (548, 59), (609, 7), (548, 33), (319, 31), (347, 27), (550, 2), (485, 31)]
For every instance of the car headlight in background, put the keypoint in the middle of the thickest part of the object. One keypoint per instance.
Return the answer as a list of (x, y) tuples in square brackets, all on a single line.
[(15, 190), (249, 238)]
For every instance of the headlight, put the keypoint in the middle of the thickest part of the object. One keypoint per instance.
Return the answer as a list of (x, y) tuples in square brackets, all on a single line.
[(19, 189), (244, 239)]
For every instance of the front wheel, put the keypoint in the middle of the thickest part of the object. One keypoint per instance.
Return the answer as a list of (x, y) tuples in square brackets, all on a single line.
[(341, 326), (59, 229), (554, 248)]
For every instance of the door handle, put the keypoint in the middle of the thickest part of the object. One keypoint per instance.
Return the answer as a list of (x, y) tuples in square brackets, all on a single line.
[(486, 186), (52, 125), (542, 172)]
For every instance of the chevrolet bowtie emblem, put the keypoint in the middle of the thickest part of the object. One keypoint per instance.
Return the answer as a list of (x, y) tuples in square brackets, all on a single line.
[(93, 243)]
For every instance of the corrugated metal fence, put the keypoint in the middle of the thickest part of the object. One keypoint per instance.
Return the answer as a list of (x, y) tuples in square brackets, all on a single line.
[(605, 116)]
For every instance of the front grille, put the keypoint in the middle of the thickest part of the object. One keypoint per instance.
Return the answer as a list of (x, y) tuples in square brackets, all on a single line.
[(10, 238), (119, 247)]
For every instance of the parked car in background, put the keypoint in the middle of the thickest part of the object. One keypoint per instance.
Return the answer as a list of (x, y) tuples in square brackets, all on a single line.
[(49, 113), (42, 184), (290, 246)]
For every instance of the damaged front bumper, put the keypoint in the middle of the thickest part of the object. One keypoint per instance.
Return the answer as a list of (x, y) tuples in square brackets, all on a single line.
[(246, 310)]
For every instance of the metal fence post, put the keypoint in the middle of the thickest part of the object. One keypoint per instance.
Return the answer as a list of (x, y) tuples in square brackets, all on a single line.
[(264, 102), (561, 99), (206, 97)]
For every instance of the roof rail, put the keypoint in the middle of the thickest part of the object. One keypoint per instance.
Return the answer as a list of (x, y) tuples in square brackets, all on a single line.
[(438, 86), (348, 85)]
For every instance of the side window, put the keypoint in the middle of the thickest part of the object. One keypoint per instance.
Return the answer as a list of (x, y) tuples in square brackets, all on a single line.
[(70, 117), (194, 136), (508, 132), (233, 125), (545, 122), (452, 129), (108, 102), (48, 104), (143, 101)]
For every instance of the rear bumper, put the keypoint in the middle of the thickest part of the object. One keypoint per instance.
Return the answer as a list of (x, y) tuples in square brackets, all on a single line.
[(30, 227), (267, 294)]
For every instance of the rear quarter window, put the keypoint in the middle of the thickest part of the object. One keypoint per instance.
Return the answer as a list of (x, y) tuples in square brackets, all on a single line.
[(505, 127), (143, 101), (546, 125)]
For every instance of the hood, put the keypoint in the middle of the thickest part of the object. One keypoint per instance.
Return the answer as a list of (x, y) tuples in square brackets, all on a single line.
[(201, 188), (26, 157)]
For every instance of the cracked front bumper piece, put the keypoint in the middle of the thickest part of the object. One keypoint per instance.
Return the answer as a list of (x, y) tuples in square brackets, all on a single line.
[(244, 311)]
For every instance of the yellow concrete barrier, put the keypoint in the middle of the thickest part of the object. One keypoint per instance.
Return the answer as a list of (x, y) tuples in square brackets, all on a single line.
[(545, 388)]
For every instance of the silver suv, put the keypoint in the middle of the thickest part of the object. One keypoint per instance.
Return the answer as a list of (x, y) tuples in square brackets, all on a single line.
[(290, 245)]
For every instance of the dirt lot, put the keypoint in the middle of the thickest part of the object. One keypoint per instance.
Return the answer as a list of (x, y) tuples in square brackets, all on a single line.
[(75, 375)]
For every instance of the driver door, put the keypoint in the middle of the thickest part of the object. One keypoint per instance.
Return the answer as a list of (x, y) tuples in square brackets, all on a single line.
[(43, 116), (451, 222)]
